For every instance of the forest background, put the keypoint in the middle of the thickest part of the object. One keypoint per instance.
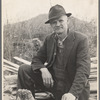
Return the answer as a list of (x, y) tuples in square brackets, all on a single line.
[(24, 20)]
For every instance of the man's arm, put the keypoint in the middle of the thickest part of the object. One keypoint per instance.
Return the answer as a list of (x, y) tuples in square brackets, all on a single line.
[(38, 64), (82, 71), (47, 77), (41, 57), (83, 68)]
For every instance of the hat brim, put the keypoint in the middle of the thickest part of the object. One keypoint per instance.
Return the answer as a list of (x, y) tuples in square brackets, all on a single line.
[(67, 14)]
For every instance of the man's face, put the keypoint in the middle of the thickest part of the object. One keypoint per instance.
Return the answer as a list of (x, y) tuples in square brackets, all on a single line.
[(60, 25)]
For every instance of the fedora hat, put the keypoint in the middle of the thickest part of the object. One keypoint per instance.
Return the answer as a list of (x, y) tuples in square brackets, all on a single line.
[(56, 12)]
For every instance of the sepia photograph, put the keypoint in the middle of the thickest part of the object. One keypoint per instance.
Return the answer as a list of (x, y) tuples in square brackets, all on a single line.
[(50, 50)]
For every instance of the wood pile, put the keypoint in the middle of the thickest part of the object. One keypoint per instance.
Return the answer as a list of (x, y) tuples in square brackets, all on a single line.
[(10, 71), (93, 79)]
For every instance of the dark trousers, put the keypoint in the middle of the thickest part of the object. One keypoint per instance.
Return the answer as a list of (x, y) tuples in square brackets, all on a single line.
[(28, 79)]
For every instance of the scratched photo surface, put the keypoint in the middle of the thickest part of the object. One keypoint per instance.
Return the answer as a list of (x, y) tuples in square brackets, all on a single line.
[(24, 31)]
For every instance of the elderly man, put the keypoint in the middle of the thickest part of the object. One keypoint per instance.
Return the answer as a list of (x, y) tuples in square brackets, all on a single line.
[(68, 62)]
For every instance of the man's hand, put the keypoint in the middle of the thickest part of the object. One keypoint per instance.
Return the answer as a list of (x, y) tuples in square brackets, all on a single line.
[(68, 96), (47, 78)]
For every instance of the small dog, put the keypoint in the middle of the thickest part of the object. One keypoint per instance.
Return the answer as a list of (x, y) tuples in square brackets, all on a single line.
[(24, 94)]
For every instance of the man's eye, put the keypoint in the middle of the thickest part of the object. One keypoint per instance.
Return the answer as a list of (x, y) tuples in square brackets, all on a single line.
[(60, 20), (54, 22)]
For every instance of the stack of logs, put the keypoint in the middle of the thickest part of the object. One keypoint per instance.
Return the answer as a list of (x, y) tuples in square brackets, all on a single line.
[(10, 71)]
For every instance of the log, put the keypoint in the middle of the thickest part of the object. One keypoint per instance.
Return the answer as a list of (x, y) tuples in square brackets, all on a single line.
[(94, 65), (10, 77), (13, 86), (22, 60), (93, 86), (10, 63), (25, 61), (93, 76), (92, 79), (93, 71), (10, 70), (92, 98), (93, 58), (10, 67)]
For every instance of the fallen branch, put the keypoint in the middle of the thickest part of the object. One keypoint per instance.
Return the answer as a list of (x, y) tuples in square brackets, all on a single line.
[(10, 77), (93, 86), (10, 63), (22, 60), (10, 70), (10, 67), (93, 65), (93, 58)]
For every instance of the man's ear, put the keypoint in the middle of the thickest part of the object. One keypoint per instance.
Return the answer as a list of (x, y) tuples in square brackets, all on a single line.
[(68, 21)]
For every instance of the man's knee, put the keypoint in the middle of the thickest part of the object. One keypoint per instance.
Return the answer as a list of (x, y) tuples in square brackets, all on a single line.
[(24, 68)]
